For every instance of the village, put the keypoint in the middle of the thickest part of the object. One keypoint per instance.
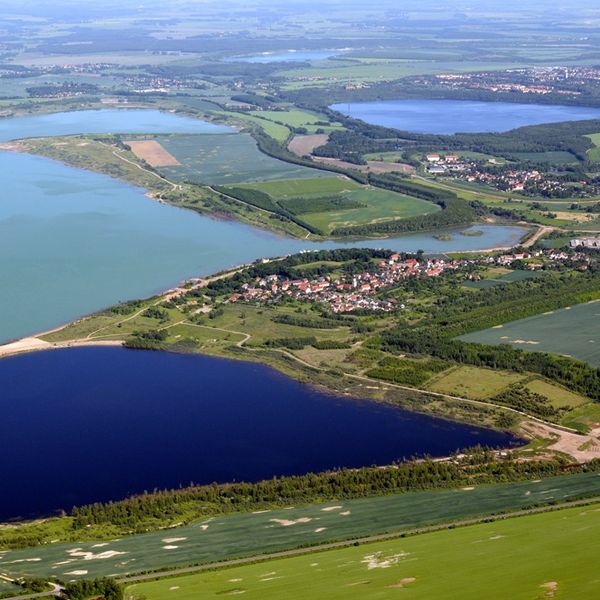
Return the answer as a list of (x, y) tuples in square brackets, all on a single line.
[(359, 292), (507, 177)]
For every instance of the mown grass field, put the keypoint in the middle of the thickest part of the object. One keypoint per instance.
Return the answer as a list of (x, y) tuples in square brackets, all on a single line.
[(569, 331), (222, 159), (247, 534), (539, 556), (492, 280), (276, 131), (473, 382), (594, 153), (377, 204)]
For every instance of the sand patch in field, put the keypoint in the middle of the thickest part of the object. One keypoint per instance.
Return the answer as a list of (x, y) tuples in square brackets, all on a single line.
[(550, 588), (403, 582), (379, 561), (290, 522), (80, 553)]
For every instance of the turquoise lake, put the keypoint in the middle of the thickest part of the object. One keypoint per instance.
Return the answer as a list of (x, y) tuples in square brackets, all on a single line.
[(453, 116), (72, 241), (117, 120), (287, 56)]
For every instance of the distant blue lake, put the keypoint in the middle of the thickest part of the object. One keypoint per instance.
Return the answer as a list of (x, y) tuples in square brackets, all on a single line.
[(121, 120), (111, 422), (287, 56), (72, 241), (454, 116)]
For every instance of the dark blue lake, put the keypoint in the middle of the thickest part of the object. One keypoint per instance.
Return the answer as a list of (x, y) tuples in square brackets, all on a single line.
[(91, 424), (453, 116)]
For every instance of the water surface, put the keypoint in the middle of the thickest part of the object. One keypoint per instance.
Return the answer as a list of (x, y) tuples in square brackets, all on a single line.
[(111, 422), (72, 242), (453, 116), (287, 56), (118, 120)]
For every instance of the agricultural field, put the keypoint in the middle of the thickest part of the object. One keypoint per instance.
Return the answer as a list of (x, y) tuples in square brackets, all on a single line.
[(492, 279), (515, 558), (295, 118), (278, 132), (153, 153), (594, 153), (246, 534), (567, 331), (560, 158), (473, 382), (222, 159), (332, 202)]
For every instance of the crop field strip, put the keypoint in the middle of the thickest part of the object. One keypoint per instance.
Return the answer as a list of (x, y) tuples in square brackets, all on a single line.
[(513, 558), (363, 204), (226, 159), (153, 153), (567, 331), (225, 537)]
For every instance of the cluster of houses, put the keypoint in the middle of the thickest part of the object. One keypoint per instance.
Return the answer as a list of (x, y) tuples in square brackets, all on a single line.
[(507, 178), (585, 242), (347, 293), (537, 81), (441, 164)]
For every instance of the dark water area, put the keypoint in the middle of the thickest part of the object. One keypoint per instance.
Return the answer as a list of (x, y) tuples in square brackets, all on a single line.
[(95, 424)]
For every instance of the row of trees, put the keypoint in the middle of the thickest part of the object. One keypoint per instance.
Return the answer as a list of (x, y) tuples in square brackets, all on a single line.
[(150, 510)]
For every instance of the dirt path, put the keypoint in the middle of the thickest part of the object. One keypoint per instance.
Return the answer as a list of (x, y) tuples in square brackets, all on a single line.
[(543, 230), (115, 153)]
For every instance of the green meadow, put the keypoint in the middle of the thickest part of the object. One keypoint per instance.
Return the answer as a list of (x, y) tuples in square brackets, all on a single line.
[(569, 331), (247, 534), (365, 204), (515, 558)]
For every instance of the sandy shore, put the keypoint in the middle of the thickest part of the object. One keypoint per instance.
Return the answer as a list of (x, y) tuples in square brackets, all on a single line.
[(35, 344)]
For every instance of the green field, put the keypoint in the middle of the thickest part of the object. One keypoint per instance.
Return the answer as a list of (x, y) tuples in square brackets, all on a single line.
[(594, 153), (511, 277), (377, 204), (292, 117), (539, 556), (221, 159), (254, 533), (569, 331), (560, 158), (473, 382)]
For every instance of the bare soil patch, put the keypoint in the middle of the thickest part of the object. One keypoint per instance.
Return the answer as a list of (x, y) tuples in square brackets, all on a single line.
[(153, 153), (303, 145)]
